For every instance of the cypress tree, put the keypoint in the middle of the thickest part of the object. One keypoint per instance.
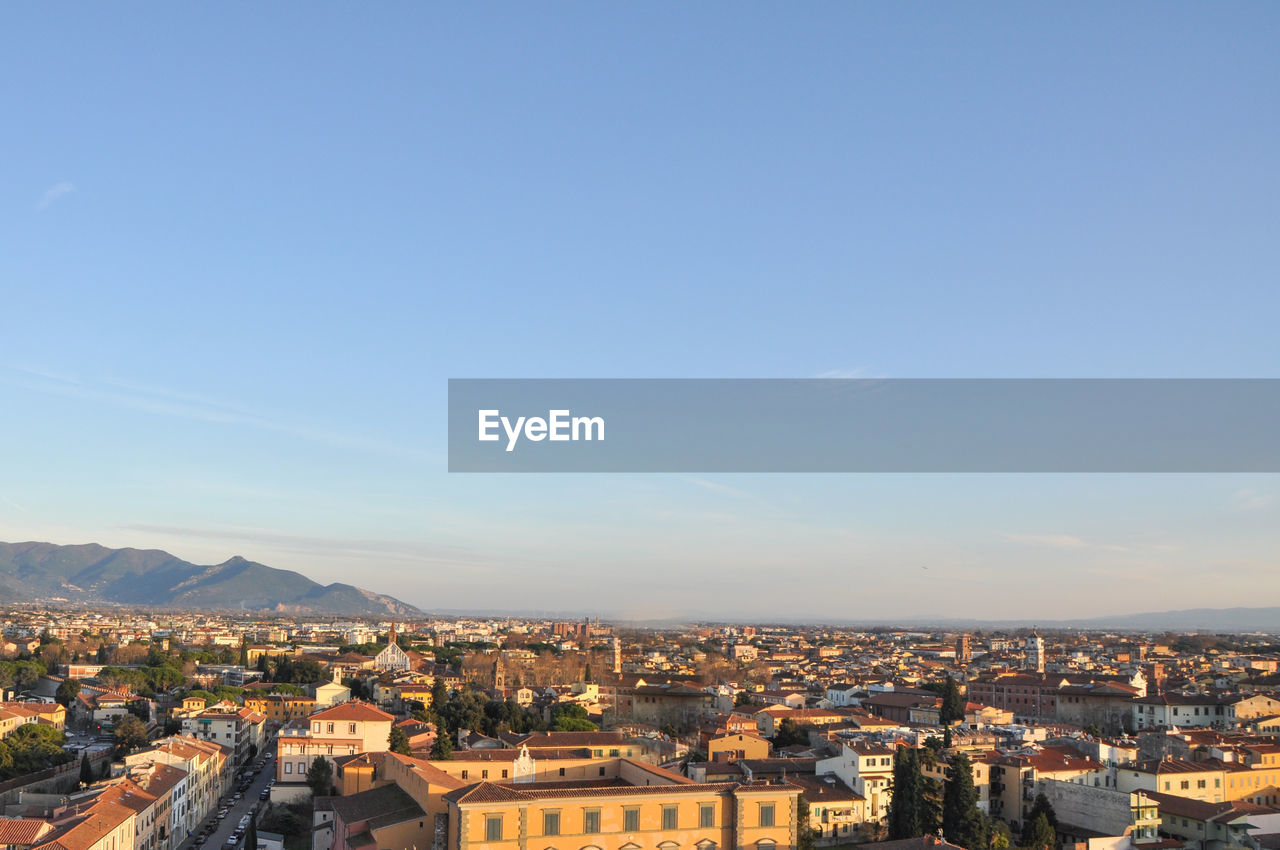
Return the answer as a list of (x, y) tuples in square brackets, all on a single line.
[(1041, 806), (962, 823), (1041, 835), (904, 807), (952, 703), (86, 770)]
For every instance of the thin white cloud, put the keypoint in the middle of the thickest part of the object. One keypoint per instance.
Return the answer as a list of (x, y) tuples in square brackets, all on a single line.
[(363, 549), (11, 503), (53, 194), (1251, 500), (715, 487), (1062, 541), (163, 402)]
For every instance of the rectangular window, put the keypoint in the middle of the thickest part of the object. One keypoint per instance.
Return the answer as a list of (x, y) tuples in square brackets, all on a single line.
[(288, 767), (591, 821), (562, 771), (484, 774), (550, 823), (766, 814), (493, 827), (464, 774), (351, 728), (630, 820), (706, 815), (328, 728), (668, 817)]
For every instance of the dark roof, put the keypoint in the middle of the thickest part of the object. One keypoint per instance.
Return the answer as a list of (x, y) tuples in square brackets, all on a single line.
[(825, 789), (379, 806)]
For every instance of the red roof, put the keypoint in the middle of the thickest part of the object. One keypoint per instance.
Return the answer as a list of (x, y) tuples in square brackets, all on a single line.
[(353, 711)]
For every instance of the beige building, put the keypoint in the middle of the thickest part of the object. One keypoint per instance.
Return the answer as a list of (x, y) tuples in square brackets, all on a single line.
[(343, 730), (737, 746), (867, 768)]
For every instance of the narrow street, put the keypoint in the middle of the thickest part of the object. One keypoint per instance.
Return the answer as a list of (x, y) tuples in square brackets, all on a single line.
[(217, 840)]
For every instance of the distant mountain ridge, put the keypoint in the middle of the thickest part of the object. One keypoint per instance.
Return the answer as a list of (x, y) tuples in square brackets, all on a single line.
[(89, 573)]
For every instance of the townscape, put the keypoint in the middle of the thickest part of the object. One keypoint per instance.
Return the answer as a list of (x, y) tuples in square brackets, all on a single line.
[(163, 730)]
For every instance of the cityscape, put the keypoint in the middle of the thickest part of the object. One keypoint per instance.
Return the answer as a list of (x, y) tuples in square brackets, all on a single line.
[(640, 426), (169, 730)]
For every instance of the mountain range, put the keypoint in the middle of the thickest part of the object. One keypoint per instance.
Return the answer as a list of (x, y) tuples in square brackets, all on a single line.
[(150, 578)]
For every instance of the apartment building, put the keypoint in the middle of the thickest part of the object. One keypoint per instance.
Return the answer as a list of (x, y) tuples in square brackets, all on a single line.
[(280, 709), (343, 730), (240, 729), (208, 768), (867, 768)]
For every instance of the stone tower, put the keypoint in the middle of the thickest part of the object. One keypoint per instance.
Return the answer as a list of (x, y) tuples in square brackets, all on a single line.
[(499, 675), (1035, 653)]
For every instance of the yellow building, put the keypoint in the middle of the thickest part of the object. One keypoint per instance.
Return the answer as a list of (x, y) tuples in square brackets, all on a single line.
[(48, 713), (627, 805), (735, 747), (1258, 781), (281, 708), (640, 807), (1206, 780)]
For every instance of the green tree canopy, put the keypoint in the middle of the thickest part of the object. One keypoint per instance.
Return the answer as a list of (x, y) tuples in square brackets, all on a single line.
[(1039, 834), (905, 818), (130, 734), (67, 692), (320, 777), (952, 703), (962, 822), (1041, 806), (398, 742), (571, 717), (442, 749)]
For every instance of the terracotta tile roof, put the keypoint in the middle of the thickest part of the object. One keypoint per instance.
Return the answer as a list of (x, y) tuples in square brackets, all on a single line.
[(22, 830), (81, 834), (353, 711), (128, 793)]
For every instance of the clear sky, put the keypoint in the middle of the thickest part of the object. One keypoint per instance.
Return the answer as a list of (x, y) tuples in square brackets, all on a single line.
[(243, 247)]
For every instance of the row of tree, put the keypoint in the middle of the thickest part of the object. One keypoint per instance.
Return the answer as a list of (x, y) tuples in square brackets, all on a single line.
[(918, 806)]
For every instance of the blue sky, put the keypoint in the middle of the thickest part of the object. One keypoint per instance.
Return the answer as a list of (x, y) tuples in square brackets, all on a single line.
[(245, 247)]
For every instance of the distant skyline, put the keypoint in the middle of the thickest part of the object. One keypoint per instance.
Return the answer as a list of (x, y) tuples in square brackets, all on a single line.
[(246, 247)]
